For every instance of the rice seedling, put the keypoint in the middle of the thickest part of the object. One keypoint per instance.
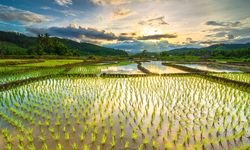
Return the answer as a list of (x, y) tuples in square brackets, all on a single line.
[(93, 138), (82, 137), (134, 135), (86, 147), (242, 77), (42, 138), (20, 146), (45, 147), (104, 139), (56, 137), (126, 146), (113, 142), (74, 146), (67, 136), (59, 147), (178, 112), (154, 144)]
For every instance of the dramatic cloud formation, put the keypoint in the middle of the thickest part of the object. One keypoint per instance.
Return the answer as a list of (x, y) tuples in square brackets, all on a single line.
[(78, 32), (230, 31), (226, 24), (8, 13), (136, 46), (144, 24), (64, 2), (157, 37)]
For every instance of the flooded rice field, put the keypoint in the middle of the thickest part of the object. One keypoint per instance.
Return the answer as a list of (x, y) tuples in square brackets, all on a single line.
[(210, 68), (124, 113), (157, 67)]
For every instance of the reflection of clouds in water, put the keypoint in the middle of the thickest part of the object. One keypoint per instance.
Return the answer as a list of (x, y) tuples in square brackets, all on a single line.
[(209, 68), (128, 69), (157, 67)]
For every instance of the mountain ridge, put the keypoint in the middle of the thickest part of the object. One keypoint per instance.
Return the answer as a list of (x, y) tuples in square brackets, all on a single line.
[(28, 42)]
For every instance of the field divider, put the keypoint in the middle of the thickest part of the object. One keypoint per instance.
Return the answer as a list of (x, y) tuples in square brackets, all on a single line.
[(10, 63), (144, 70), (235, 84), (66, 66), (207, 75)]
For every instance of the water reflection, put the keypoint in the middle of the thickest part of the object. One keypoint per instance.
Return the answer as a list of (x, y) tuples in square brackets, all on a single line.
[(210, 68), (157, 67), (127, 69)]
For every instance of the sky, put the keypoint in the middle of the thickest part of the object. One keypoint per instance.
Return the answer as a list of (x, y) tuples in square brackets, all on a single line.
[(132, 25)]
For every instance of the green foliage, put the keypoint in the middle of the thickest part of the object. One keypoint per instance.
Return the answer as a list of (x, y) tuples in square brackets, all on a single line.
[(242, 77), (7, 48), (45, 45), (220, 51)]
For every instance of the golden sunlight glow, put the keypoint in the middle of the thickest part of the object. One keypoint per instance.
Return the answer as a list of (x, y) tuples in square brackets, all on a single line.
[(147, 30)]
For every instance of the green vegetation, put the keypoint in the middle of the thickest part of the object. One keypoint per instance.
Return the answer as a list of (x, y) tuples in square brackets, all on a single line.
[(19, 44), (51, 63), (242, 77), (63, 109), (89, 69), (51, 46), (11, 69), (7, 48), (30, 74), (94, 68), (10, 62), (106, 113), (220, 51)]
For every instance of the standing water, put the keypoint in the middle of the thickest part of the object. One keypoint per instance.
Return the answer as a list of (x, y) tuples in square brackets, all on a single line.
[(157, 67)]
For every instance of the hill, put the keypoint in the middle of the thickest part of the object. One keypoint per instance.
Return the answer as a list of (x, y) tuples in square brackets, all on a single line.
[(219, 51), (26, 45)]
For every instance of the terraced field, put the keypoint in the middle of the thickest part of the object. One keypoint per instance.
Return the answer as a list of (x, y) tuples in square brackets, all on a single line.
[(71, 110)]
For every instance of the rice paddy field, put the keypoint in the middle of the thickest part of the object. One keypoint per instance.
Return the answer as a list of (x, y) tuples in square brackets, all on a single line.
[(50, 63), (71, 110), (242, 77), (96, 68)]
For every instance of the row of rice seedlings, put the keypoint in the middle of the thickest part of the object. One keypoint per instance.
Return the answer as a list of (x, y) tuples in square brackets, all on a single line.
[(95, 68), (133, 112), (52, 63), (242, 77), (10, 69), (90, 69), (30, 74)]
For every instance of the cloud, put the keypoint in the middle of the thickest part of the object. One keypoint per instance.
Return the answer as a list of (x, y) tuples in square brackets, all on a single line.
[(65, 12), (121, 13), (110, 2), (78, 32), (189, 40), (64, 2), (157, 37), (229, 31), (8, 14), (224, 24), (120, 2), (229, 36), (136, 46), (154, 21), (129, 34), (75, 31)]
